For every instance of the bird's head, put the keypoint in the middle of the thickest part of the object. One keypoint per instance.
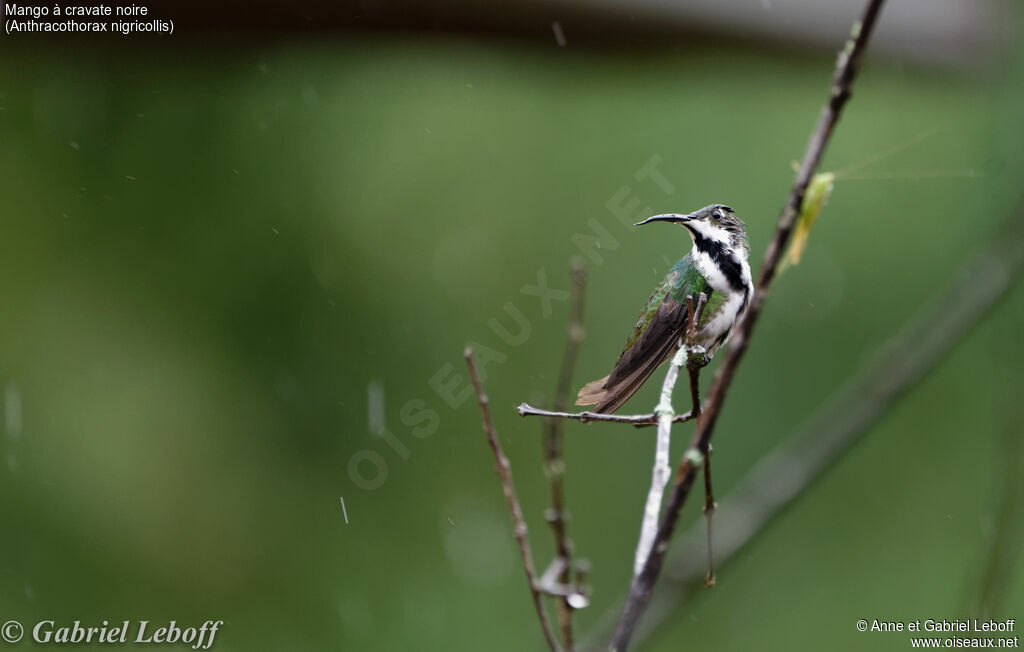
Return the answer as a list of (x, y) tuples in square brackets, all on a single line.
[(716, 222)]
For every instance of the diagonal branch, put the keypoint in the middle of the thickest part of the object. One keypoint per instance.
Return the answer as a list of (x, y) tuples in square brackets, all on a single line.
[(846, 70), (895, 369), (505, 475)]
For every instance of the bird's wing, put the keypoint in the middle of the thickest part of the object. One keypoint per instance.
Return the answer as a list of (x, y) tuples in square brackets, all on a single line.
[(654, 339)]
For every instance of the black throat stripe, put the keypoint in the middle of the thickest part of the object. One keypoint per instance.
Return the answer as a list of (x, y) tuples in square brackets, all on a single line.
[(727, 264)]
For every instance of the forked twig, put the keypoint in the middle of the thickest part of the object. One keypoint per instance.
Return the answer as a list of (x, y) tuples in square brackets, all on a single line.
[(504, 470)]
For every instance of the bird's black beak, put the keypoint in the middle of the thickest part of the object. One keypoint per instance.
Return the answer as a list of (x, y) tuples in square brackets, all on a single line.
[(675, 218)]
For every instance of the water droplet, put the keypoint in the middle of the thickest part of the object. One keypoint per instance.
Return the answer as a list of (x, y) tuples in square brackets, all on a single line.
[(578, 601)]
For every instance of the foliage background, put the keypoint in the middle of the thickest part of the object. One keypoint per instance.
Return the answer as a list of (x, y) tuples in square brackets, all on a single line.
[(210, 252)]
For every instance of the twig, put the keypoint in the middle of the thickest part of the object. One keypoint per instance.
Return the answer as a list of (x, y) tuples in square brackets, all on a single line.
[(709, 494), (504, 470), (694, 368), (693, 365), (694, 388), (709, 510), (553, 445), (846, 70), (660, 473), (665, 412), (638, 420), (897, 367)]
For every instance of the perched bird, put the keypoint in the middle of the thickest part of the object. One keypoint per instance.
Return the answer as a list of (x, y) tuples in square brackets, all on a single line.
[(717, 266)]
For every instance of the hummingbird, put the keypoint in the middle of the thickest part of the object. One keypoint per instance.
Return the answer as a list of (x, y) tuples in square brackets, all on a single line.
[(717, 266)]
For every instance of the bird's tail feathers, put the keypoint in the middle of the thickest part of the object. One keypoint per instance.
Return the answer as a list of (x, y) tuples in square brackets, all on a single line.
[(593, 392)]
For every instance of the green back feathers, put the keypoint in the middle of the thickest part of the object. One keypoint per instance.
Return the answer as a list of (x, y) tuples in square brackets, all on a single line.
[(686, 280), (681, 281), (655, 336)]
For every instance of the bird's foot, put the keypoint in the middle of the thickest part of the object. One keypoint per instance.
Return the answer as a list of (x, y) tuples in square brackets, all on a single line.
[(697, 357)]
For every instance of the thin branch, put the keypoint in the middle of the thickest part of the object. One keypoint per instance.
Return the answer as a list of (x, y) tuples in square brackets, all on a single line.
[(694, 367), (638, 420), (553, 446), (696, 360), (709, 510), (694, 388), (846, 70), (660, 472), (504, 470), (896, 368), (666, 413)]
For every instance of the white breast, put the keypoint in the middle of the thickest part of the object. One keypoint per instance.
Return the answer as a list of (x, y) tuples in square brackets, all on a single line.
[(710, 271), (731, 310), (721, 323)]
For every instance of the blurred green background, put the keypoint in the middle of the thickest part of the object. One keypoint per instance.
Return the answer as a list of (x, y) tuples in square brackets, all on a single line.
[(230, 273)]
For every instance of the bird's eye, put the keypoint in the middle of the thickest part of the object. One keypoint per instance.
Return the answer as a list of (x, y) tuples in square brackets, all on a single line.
[(717, 215)]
